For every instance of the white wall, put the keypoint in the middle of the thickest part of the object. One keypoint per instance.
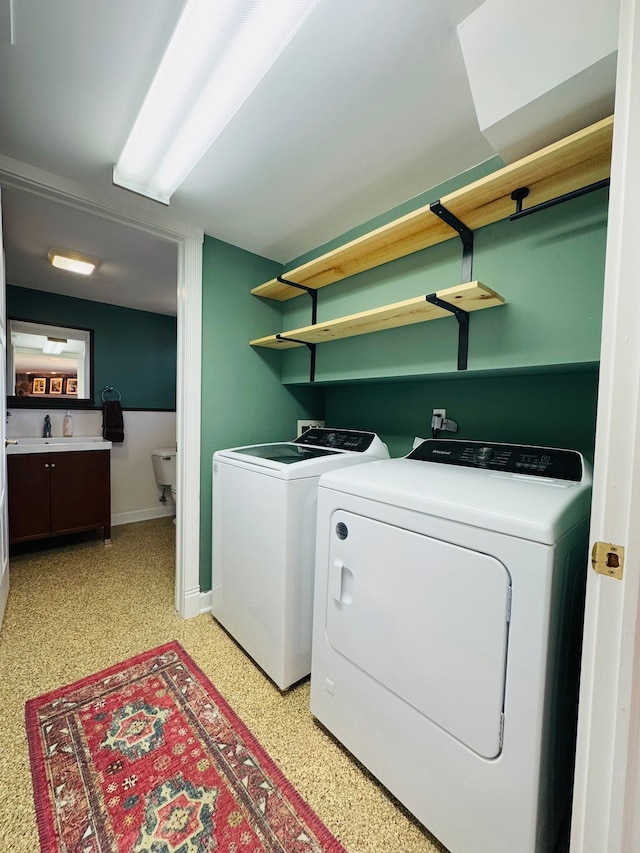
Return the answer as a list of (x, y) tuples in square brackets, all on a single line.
[(539, 71), (134, 493)]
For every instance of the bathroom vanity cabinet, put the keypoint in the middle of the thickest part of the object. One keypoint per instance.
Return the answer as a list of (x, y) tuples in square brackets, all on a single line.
[(54, 493)]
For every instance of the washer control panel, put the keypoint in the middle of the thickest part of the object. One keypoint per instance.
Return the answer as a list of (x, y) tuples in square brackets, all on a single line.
[(512, 458), (337, 439)]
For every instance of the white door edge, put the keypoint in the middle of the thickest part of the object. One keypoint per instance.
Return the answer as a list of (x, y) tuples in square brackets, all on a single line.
[(4, 509), (189, 241), (607, 779)]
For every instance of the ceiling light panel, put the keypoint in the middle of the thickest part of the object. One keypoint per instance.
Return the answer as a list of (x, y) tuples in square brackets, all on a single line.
[(71, 261), (54, 346), (217, 55)]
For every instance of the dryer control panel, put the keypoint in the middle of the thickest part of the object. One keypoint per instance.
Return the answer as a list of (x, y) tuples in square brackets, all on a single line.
[(549, 462)]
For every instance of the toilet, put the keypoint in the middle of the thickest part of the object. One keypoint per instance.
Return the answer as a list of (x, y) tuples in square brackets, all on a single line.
[(164, 468)]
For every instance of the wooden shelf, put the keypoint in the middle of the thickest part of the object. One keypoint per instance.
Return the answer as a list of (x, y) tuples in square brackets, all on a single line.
[(472, 296), (570, 164)]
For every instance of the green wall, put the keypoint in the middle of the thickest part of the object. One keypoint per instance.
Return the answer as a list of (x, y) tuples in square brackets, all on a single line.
[(135, 351), (549, 267), (533, 362), (243, 399), (556, 408)]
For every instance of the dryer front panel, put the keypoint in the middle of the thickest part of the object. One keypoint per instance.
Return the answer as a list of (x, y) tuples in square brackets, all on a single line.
[(426, 619)]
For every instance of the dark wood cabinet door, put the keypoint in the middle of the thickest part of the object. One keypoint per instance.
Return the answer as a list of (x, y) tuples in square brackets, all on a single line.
[(28, 493), (80, 491)]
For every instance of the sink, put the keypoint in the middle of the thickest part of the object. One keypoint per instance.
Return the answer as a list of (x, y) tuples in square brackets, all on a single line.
[(58, 445)]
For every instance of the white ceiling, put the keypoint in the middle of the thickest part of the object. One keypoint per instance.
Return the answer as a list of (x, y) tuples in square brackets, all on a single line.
[(368, 106)]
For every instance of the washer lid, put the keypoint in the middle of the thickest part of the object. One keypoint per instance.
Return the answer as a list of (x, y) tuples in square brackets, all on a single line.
[(286, 453), (315, 451)]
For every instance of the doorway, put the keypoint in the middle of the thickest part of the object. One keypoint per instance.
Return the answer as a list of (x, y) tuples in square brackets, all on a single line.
[(188, 245)]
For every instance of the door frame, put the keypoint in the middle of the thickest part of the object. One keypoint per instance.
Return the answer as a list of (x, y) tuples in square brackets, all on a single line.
[(4, 511), (607, 778), (188, 241)]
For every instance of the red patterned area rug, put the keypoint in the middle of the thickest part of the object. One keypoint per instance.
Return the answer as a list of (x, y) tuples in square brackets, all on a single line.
[(147, 757)]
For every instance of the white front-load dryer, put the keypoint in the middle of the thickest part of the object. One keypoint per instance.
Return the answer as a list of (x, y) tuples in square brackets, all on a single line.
[(446, 635), (263, 554)]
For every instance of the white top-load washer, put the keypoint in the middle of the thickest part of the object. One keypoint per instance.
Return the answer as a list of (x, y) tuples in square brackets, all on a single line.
[(447, 630), (264, 520)]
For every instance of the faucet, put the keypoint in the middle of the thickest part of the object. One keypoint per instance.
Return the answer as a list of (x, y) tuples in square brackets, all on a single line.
[(46, 429)]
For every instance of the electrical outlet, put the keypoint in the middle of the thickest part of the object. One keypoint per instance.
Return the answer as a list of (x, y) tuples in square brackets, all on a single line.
[(438, 418), (303, 426)]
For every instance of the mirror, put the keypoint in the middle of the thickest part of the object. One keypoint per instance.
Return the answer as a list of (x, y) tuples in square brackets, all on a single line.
[(48, 365)]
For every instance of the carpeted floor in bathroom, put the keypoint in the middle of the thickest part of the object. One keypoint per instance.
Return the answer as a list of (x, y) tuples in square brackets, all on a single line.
[(78, 607)]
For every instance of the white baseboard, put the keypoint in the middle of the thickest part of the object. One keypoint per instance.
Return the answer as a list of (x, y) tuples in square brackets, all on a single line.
[(142, 515), (192, 603), (205, 602)]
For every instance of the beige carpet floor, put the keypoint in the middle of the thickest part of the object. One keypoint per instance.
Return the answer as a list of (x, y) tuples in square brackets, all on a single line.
[(77, 608)]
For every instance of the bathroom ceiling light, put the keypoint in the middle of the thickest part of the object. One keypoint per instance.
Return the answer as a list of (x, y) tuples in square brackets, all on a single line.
[(72, 261), (217, 55), (54, 346)]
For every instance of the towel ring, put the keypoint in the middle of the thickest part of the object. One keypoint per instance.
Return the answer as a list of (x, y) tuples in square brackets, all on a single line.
[(110, 390)]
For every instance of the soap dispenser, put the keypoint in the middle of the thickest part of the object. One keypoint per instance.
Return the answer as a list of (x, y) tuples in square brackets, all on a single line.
[(67, 425)]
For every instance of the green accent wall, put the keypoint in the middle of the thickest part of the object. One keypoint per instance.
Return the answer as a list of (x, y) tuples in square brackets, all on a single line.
[(555, 408), (549, 267), (533, 363), (243, 399), (135, 351)]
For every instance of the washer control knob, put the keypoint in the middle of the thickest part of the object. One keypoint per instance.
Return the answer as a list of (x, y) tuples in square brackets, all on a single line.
[(484, 454)]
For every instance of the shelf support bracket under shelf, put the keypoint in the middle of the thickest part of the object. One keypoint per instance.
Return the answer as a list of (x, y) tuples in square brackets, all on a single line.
[(312, 350), (313, 293), (463, 327), (465, 234), (522, 192)]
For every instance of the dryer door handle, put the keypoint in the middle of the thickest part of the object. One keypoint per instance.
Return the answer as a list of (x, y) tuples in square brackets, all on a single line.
[(341, 583)]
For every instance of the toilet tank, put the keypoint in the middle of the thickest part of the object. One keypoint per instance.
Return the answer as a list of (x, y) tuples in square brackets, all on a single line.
[(164, 465)]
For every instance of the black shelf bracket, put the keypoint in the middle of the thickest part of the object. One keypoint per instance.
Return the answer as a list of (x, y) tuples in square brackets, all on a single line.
[(463, 327), (522, 192), (465, 234), (313, 293), (312, 350)]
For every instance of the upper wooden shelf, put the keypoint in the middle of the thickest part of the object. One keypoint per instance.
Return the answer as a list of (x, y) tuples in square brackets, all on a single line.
[(570, 164), (471, 296)]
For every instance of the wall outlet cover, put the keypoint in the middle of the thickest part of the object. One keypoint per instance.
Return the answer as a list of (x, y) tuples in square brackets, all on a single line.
[(303, 426)]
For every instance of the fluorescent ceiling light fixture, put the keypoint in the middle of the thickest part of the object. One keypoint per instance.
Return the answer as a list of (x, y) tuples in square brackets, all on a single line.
[(54, 346), (217, 55), (71, 261)]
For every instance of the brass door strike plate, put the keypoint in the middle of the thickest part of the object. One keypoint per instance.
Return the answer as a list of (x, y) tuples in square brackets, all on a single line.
[(608, 559)]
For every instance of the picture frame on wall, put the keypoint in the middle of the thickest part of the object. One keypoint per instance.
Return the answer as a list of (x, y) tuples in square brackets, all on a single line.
[(55, 385), (72, 385), (39, 385)]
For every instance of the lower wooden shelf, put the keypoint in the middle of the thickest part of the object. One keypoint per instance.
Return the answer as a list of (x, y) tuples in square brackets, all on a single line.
[(472, 296)]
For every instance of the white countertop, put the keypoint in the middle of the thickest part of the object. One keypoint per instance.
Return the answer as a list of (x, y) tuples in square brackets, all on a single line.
[(57, 445)]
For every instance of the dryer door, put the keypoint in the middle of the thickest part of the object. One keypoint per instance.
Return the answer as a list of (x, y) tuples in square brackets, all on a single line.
[(425, 618)]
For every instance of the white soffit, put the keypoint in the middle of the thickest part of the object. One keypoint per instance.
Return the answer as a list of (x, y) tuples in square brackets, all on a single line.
[(539, 71)]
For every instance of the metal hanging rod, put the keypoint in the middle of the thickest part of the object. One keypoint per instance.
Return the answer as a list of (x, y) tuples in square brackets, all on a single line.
[(522, 192), (463, 327), (313, 293), (312, 350), (465, 234)]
